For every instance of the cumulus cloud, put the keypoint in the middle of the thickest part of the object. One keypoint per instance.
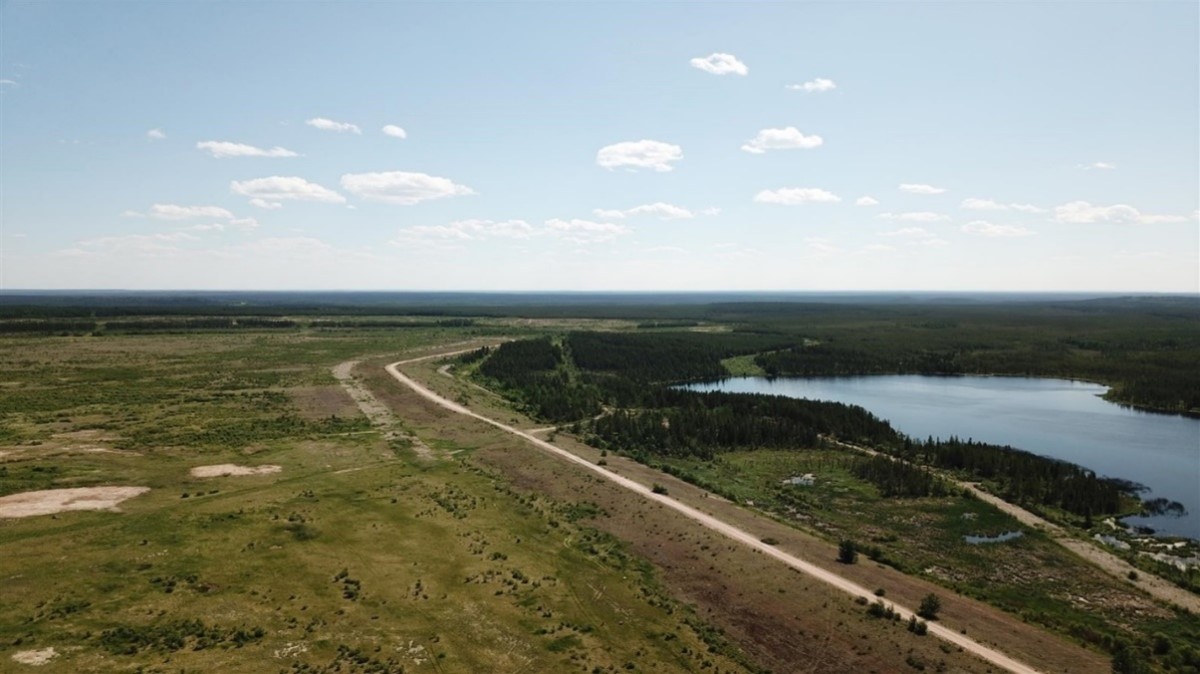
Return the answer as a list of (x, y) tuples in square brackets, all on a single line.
[(977, 204), (275, 189), (1101, 165), (791, 196), (816, 86), (468, 230), (992, 230), (913, 188), (222, 149), (788, 138), (326, 124), (394, 131), (402, 187), (176, 212), (584, 231), (1084, 213), (720, 64), (263, 203), (155, 134), (8, 83), (636, 154), (915, 216), (866, 201), (658, 209)]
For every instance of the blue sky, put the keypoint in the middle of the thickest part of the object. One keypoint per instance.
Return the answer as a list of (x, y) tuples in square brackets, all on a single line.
[(605, 146)]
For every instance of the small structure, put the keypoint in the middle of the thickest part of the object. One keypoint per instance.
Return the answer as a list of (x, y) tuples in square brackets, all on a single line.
[(805, 480)]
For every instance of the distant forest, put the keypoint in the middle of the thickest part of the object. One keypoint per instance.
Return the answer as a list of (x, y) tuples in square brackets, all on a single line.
[(1147, 349)]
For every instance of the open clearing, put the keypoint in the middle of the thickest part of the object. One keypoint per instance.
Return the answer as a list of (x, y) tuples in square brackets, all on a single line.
[(35, 658), (231, 469), (51, 501)]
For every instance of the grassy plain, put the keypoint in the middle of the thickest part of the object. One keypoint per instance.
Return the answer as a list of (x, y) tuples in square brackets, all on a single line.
[(355, 557)]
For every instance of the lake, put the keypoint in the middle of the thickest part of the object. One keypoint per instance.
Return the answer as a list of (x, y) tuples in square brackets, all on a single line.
[(1053, 417)]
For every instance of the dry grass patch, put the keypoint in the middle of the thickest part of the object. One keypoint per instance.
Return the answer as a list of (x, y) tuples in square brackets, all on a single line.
[(233, 470), (51, 501)]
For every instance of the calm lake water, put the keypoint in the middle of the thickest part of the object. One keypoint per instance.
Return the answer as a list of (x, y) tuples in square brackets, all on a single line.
[(1052, 417)]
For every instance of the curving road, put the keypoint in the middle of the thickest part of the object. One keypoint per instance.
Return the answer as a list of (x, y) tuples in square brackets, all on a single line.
[(989, 654)]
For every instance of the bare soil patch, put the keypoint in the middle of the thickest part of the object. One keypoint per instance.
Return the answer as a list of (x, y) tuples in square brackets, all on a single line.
[(35, 658), (231, 469), (51, 501)]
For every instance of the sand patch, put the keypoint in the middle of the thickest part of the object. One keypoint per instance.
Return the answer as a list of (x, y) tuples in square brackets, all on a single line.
[(35, 658), (50, 501), (230, 469)]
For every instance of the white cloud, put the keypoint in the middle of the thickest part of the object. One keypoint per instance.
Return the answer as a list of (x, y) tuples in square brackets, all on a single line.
[(222, 149), (651, 154), (584, 231), (1102, 165), (155, 134), (394, 131), (150, 245), (866, 201), (915, 216), (720, 64), (816, 86), (912, 188), (977, 204), (790, 196), (788, 138), (129, 213), (469, 230), (326, 124), (176, 212), (658, 209), (1084, 213), (1027, 208), (909, 232), (8, 83), (284, 188), (263, 203), (713, 211), (988, 229), (401, 187)]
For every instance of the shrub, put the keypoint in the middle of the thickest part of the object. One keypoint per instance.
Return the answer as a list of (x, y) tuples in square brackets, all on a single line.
[(847, 552)]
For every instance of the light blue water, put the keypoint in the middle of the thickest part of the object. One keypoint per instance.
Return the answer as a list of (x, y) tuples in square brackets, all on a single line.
[(1053, 417)]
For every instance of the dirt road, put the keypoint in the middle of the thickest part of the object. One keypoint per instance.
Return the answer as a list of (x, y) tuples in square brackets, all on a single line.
[(990, 655), (380, 415)]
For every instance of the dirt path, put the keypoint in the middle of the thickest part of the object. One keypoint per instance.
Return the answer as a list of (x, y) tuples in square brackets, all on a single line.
[(380, 415), (991, 655), (1157, 587)]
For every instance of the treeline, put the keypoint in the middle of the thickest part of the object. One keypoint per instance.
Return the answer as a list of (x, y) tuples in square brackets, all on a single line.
[(47, 327), (666, 356), (1023, 478), (898, 478), (682, 423), (83, 327), (444, 323), (181, 324)]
